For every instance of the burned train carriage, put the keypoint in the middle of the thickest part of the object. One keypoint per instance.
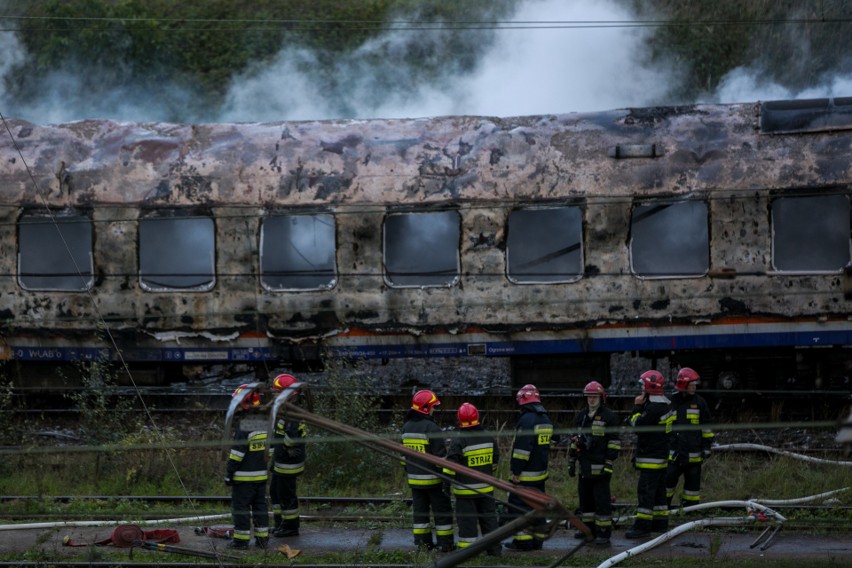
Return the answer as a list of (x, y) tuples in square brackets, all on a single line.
[(716, 235)]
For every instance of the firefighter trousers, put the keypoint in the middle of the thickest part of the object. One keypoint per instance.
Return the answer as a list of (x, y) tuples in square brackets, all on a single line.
[(475, 514), (427, 502), (285, 502), (533, 538), (653, 511), (596, 503), (248, 503), (691, 473)]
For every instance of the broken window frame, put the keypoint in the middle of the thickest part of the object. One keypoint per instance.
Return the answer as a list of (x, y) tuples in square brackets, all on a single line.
[(801, 200), (55, 220), (573, 242), (150, 285), (658, 205), (388, 270), (324, 218)]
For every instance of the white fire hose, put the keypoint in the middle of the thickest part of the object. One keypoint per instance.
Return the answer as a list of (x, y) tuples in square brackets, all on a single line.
[(754, 506), (56, 524), (735, 447)]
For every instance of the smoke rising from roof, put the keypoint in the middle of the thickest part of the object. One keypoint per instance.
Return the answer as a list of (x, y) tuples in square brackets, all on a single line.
[(538, 70)]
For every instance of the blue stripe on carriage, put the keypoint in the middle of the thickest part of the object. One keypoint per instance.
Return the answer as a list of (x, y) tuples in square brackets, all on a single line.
[(460, 349)]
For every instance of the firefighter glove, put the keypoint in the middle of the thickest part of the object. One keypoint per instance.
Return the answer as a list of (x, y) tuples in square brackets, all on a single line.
[(706, 453), (228, 480), (572, 469)]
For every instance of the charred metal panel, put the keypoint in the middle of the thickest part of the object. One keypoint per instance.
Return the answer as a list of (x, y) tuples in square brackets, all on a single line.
[(361, 170)]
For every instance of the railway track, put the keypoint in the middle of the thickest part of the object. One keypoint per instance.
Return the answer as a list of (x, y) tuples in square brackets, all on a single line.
[(329, 504)]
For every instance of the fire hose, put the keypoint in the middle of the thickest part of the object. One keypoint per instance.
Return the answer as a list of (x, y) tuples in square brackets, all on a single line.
[(746, 447), (757, 509)]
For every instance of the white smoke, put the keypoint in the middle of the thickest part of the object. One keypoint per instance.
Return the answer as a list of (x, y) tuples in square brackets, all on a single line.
[(537, 70), (748, 84), (542, 69)]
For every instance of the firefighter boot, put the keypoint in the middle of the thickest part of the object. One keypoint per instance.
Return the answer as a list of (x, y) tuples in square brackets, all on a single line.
[(660, 525), (602, 535), (641, 529), (238, 544), (424, 542), (284, 531), (261, 541), (580, 535)]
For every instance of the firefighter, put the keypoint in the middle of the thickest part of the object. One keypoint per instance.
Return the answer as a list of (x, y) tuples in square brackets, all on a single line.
[(691, 439), (246, 475), (287, 464), (421, 433), (475, 507), (595, 447), (650, 418), (530, 456)]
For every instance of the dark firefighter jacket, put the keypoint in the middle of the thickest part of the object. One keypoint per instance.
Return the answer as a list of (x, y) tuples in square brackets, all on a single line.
[(247, 460), (651, 421), (289, 448), (531, 450), (476, 449), (597, 441), (420, 433), (691, 435)]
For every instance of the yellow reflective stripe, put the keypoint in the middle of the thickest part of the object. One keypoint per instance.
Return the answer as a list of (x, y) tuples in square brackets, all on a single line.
[(532, 475), (473, 489), (290, 469), (249, 478), (422, 482)]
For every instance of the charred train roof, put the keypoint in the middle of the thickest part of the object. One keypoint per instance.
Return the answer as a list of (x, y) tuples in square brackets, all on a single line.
[(663, 150)]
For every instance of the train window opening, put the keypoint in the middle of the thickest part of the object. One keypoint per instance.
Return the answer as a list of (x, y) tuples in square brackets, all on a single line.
[(422, 249), (806, 115), (176, 253), (55, 253), (297, 252), (545, 245), (670, 240), (811, 234)]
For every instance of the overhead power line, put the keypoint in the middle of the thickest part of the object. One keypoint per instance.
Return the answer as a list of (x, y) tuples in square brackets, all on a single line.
[(302, 25)]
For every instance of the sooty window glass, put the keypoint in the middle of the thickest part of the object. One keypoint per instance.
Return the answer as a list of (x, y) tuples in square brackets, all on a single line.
[(176, 253), (670, 240), (55, 253), (422, 249), (545, 245), (810, 234), (297, 252)]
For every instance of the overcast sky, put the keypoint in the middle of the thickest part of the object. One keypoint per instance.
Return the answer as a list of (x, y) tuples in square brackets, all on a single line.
[(526, 71)]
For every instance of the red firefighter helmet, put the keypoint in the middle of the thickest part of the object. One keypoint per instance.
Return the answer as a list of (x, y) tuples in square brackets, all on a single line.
[(593, 388), (686, 376), (468, 415), (282, 382), (424, 401), (252, 399), (653, 382), (528, 394)]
